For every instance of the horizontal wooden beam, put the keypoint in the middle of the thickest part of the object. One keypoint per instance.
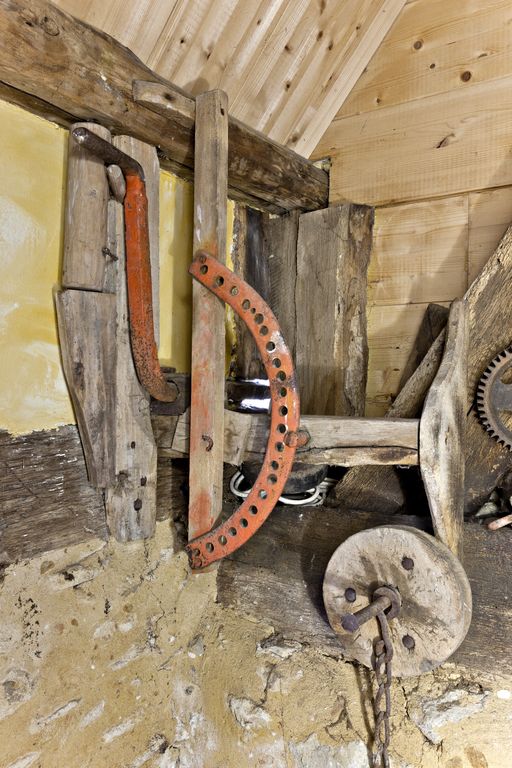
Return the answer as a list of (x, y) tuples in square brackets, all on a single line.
[(336, 440), (63, 69)]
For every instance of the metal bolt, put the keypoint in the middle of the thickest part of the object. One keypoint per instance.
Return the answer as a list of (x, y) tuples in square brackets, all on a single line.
[(351, 622), (407, 563), (350, 595), (408, 642)]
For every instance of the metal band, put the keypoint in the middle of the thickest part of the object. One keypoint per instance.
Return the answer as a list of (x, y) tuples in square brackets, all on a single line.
[(284, 417)]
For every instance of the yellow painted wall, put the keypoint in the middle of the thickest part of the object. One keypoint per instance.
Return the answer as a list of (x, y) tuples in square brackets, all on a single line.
[(33, 392)]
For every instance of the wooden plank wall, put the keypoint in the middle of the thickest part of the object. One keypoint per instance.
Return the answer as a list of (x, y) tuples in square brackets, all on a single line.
[(425, 137)]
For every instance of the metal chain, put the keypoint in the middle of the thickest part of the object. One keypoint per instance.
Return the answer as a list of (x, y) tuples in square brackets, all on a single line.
[(381, 664)]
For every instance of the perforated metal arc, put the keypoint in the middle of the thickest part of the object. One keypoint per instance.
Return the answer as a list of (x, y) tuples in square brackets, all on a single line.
[(284, 416)]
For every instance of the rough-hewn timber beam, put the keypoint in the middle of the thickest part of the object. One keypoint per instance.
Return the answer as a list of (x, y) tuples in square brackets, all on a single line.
[(55, 65)]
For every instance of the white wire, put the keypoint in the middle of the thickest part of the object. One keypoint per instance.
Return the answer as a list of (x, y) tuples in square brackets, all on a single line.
[(314, 498)]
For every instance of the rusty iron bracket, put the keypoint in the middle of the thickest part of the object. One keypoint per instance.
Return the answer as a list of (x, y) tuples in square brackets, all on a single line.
[(138, 266), (238, 528)]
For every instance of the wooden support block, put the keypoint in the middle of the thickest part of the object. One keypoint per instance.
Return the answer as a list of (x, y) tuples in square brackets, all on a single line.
[(208, 351), (277, 577), (87, 335), (442, 430), (131, 500), (85, 219), (333, 253), (340, 441)]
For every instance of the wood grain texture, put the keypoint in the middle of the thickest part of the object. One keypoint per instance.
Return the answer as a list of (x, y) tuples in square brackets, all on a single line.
[(45, 497), (380, 489), (84, 263), (277, 577), (392, 332), (130, 501), (341, 441), (490, 332), (490, 321), (251, 263), (280, 243), (434, 321), (69, 68), (490, 214), (442, 433), (419, 252), (286, 69), (46, 500), (208, 345), (431, 45), (87, 336), (330, 298), (440, 145)]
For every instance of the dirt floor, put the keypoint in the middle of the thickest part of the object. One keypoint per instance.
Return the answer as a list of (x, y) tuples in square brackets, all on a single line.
[(115, 656)]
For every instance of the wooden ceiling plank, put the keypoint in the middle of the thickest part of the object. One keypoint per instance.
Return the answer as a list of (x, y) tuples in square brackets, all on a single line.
[(429, 48), (305, 85), (346, 76), (80, 71)]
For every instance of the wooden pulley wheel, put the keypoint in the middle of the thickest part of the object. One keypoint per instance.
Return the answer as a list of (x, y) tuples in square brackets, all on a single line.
[(435, 596)]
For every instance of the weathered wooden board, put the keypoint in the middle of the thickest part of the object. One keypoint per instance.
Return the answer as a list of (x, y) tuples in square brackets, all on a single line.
[(331, 352), (277, 577), (440, 145), (341, 441), (46, 501), (392, 333), (490, 331), (87, 336), (250, 262), (434, 321), (280, 244), (442, 433), (208, 345), (429, 50), (84, 263), (80, 71), (130, 501)]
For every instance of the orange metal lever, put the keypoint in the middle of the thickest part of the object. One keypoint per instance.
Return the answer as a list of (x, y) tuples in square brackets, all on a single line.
[(138, 266), (284, 418)]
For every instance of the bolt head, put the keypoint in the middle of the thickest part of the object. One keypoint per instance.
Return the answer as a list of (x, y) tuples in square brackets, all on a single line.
[(408, 642), (407, 563), (350, 595)]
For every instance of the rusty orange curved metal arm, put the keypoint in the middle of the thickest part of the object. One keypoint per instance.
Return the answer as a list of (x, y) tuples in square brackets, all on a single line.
[(138, 266), (284, 417)]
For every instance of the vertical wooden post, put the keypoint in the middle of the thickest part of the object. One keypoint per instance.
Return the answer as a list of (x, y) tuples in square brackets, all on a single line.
[(208, 352), (131, 500)]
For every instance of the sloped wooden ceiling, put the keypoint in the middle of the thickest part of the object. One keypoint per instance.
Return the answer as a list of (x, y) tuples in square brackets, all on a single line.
[(286, 65)]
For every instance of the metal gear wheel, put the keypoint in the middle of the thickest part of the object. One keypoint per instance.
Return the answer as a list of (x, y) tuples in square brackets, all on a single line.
[(494, 396)]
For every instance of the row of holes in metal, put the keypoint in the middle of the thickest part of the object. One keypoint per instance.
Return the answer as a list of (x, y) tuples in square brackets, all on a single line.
[(283, 410)]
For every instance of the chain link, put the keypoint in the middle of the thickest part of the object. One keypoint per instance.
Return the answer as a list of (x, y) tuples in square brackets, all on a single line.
[(381, 664)]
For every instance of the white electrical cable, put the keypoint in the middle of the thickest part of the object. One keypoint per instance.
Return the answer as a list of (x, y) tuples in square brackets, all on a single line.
[(315, 494)]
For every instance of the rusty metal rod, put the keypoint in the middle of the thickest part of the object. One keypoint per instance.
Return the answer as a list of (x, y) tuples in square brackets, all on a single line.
[(351, 622), (138, 265)]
